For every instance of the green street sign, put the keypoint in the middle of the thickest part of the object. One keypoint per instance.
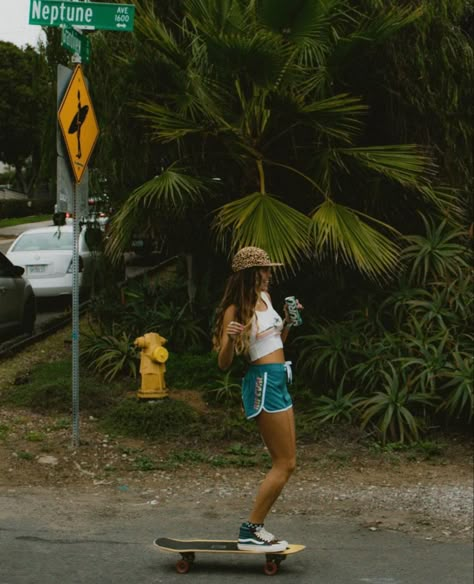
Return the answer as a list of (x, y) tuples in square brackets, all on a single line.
[(87, 15), (76, 42)]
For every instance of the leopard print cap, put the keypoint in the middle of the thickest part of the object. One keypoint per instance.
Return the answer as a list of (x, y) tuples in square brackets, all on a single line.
[(251, 257)]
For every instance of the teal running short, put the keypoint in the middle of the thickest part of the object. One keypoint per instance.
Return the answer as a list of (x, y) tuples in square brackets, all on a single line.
[(265, 387)]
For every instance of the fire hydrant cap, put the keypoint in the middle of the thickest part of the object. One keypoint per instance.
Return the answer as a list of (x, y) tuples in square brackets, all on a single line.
[(160, 355)]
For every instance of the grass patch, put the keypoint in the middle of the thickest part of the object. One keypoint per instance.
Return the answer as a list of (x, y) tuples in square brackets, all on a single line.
[(4, 429), (48, 389), (9, 222), (165, 418), (35, 437), (25, 455), (236, 455)]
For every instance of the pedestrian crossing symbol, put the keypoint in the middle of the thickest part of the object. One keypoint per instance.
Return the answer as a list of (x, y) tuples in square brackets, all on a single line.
[(78, 123)]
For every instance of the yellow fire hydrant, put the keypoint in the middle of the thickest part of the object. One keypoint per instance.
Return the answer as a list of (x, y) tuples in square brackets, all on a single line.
[(152, 366)]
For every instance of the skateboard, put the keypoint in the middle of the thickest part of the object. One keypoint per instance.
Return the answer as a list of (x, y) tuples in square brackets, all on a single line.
[(188, 548)]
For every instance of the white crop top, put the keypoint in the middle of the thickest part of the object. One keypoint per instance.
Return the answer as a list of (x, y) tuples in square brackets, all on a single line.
[(265, 334)]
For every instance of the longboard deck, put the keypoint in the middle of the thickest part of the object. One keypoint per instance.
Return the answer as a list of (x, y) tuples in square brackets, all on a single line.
[(218, 546)]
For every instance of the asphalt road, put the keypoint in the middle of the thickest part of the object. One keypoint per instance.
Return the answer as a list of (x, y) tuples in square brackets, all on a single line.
[(93, 542)]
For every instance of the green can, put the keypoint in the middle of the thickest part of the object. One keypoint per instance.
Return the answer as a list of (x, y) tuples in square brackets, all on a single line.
[(293, 312)]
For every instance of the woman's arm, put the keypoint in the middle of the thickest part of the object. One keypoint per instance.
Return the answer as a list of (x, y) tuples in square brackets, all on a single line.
[(230, 329)]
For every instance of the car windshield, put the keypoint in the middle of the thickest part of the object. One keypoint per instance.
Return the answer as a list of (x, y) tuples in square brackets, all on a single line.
[(57, 240)]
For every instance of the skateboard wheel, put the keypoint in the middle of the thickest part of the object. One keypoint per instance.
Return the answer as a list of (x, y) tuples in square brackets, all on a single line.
[(270, 568), (183, 566)]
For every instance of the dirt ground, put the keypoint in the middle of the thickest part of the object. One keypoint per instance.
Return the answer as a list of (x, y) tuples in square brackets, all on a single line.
[(420, 492)]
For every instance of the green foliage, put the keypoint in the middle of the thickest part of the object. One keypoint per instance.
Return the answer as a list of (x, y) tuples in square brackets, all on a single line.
[(335, 408), (225, 388), (48, 388), (21, 220), (257, 136), (163, 419), (392, 410), (24, 91), (457, 387), (189, 370), (35, 437), (439, 254), (25, 455), (326, 353), (110, 356), (146, 305), (408, 362), (438, 50)]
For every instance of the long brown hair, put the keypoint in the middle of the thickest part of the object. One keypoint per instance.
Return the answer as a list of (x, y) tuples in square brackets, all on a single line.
[(241, 290)]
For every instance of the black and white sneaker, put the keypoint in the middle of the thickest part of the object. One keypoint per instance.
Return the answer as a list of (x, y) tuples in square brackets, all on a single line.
[(258, 539)]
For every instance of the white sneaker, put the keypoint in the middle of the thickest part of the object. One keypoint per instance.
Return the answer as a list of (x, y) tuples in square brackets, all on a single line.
[(259, 540)]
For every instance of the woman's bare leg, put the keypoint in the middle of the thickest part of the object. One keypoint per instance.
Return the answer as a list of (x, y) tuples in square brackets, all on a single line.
[(278, 433)]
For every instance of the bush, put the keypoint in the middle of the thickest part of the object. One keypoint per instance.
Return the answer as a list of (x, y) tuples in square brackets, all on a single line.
[(23, 208), (407, 355), (144, 306), (111, 356), (191, 371)]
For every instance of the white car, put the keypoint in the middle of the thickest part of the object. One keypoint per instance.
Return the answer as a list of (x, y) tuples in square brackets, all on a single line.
[(17, 300), (46, 255)]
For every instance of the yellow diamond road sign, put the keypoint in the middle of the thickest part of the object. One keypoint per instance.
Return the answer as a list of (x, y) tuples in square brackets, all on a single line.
[(78, 123)]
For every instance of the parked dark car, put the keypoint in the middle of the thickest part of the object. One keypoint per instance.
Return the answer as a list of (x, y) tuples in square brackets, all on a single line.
[(17, 300)]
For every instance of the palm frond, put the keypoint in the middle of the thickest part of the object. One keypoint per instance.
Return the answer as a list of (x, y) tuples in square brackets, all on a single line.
[(172, 192), (264, 221), (307, 26), (166, 125), (375, 27), (403, 163), (340, 232), (153, 30), (169, 194), (379, 26), (217, 17), (339, 116)]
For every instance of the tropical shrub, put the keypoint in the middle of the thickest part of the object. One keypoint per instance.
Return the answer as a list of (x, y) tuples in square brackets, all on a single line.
[(411, 360), (111, 355), (335, 407), (146, 305), (393, 409)]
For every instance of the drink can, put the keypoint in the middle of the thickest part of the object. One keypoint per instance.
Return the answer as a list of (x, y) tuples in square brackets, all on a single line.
[(293, 312)]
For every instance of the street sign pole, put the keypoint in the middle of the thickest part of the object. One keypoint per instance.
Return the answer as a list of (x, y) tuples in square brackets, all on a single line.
[(79, 128), (75, 325), (70, 198)]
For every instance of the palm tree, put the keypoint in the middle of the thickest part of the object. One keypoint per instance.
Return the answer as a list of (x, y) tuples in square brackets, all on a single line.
[(268, 140)]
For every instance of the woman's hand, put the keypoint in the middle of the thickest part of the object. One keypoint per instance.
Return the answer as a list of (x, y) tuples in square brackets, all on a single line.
[(287, 319), (234, 329)]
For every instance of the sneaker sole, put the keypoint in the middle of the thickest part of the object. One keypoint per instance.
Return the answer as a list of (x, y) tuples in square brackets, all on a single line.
[(260, 547)]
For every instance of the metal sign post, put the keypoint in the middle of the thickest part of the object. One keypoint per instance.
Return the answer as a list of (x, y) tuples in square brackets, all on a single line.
[(79, 128), (75, 324)]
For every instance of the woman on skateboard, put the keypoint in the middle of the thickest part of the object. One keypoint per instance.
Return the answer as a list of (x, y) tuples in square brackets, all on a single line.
[(247, 323)]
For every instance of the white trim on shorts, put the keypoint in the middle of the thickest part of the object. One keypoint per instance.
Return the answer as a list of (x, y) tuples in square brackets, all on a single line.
[(264, 390)]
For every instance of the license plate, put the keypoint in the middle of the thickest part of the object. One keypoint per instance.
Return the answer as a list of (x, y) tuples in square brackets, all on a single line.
[(36, 269)]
